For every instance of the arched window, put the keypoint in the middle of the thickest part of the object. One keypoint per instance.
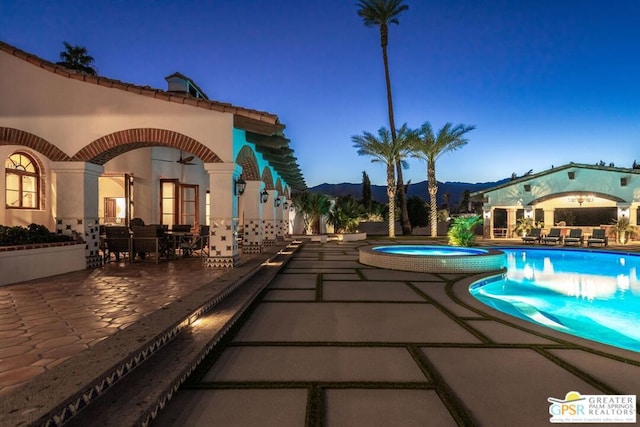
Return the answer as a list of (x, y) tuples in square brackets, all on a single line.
[(22, 182)]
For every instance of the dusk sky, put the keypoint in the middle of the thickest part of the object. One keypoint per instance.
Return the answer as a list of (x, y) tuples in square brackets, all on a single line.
[(545, 82)]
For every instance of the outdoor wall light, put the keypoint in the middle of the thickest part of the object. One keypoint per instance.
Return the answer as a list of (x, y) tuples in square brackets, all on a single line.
[(292, 208), (264, 196), (240, 186), (277, 202), (285, 206)]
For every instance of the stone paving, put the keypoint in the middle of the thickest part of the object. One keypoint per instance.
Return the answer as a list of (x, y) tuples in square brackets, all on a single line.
[(336, 343), (329, 342), (47, 321)]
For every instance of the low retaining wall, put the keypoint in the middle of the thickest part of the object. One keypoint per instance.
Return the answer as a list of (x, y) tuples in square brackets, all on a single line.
[(20, 263)]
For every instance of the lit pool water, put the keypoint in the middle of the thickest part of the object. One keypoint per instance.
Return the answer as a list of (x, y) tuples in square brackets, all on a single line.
[(593, 295), (424, 250)]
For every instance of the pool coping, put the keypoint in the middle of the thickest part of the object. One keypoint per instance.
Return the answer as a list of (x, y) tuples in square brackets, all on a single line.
[(491, 260)]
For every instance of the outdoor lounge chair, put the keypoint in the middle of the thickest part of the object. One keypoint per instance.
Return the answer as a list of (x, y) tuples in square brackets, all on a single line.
[(117, 241), (554, 237), (598, 237), (575, 237), (534, 236), (149, 239)]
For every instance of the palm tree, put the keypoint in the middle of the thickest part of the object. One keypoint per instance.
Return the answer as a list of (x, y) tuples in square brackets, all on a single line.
[(381, 13), (387, 150), (429, 147), (312, 206), (77, 58), (319, 205)]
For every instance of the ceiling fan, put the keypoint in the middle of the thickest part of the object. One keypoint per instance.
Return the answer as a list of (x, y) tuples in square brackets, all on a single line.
[(185, 160)]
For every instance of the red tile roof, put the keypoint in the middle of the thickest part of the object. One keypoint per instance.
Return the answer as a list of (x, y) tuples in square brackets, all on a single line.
[(253, 120)]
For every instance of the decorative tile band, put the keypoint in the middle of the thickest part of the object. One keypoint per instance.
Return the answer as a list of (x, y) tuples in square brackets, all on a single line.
[(492, 260), (252, 248)]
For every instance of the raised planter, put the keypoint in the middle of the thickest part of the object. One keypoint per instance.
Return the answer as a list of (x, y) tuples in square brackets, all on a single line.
[(20, 263), (352, 237)]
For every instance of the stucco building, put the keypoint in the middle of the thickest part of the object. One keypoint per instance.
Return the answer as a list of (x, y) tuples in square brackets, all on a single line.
[(572, 195), (80, 151)]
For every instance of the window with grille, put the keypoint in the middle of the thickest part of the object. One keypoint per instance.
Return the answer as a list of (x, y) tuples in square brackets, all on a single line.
[(22, 182)]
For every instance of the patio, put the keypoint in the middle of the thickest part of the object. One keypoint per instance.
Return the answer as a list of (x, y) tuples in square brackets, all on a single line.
[(414, 346)]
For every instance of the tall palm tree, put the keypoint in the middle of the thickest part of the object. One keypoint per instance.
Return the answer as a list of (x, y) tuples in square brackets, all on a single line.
[(77, 58), (381, 13), (430, 147), (387, 150)]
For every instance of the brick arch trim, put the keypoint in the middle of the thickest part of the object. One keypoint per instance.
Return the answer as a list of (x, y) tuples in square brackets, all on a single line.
[(11, 136), (247, 159), (109, 146), (267, 178)]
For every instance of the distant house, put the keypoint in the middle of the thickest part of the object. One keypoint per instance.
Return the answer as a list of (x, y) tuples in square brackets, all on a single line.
[(80, 151), (572, 195)]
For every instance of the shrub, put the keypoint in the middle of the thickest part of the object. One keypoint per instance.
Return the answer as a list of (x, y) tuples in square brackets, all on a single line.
[(33, 233), (461, 232)]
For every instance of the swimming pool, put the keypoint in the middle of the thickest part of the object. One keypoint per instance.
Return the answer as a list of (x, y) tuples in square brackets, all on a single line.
[(593, 295)]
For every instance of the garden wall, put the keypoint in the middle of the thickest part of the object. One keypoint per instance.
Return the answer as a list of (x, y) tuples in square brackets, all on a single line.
[(20, 263)]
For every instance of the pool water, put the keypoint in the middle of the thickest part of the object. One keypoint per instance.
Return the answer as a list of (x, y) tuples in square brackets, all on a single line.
[(593, 295), (429, 250)]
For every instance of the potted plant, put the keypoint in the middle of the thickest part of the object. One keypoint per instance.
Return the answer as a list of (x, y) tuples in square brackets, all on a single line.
[(525, 225), (622, 228)]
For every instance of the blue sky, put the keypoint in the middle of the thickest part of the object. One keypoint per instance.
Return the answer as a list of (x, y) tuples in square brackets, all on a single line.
[(545, 82)]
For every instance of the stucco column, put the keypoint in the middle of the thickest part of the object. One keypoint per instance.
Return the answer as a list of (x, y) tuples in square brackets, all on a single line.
[(548, 218), (252, 240), (511, 221), (223, 229), (487, 222), (281, 213), (633, 215), (269, 219), (76, 210)]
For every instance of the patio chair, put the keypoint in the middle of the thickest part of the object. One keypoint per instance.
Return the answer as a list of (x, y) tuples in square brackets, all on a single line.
[(181, 228), (148, 239), (598, 237), (554, 237), (136, 221), (117, 241), (534, 236), (200, 243), (575, 237)]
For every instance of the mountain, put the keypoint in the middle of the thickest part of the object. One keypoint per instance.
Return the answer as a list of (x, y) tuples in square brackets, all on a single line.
[(379, 192)]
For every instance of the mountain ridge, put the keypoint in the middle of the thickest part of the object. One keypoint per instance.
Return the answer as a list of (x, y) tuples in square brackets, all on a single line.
[(455, 189)]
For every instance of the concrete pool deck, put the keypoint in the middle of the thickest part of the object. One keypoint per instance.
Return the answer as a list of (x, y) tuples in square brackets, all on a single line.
[(330, 341)]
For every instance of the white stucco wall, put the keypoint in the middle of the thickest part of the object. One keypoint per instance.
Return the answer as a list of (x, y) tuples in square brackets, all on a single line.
[(71, 114)]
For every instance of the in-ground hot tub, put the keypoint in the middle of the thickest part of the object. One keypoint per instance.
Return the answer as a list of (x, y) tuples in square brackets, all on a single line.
[(433, 259)]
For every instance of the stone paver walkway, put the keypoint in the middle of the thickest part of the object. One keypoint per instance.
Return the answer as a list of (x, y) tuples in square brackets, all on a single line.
[(336, 343), (329, 342), (45, 322)]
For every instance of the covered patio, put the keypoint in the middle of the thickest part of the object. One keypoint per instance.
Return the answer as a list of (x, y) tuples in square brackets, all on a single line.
[(569, 196), (81, 152)]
